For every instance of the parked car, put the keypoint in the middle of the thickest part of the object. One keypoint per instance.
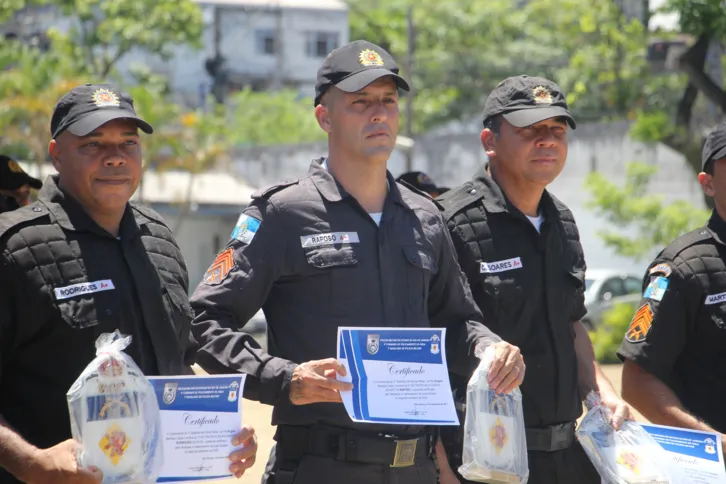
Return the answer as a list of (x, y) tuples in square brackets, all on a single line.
[(604, 288)]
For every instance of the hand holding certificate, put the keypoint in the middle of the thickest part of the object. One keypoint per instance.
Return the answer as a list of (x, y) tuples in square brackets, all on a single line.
[(200, 425), (399, 376)]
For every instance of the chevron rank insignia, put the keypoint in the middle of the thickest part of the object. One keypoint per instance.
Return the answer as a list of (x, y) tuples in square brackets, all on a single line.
[(640, 325), (220, 268)]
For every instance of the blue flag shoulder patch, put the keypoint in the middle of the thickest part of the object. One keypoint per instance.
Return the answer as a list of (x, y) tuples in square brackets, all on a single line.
[(245, 229), (656, 289)]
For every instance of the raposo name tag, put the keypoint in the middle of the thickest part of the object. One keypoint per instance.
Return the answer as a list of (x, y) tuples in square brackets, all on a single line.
[(328, 239)]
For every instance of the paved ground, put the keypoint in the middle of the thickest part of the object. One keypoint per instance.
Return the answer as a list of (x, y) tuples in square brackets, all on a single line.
[(259, 415)]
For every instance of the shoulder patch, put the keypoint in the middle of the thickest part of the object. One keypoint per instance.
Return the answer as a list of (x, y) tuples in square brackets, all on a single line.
[(640, 325), (245, 228), (662, 268), (21, 216), (220, 268), (265, 192)]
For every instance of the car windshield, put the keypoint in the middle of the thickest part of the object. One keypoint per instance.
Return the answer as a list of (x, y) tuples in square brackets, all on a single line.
[(588, 284)]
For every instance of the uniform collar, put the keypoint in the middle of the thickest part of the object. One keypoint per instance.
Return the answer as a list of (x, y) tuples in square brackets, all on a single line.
[(495, 201), (333, 191), (717, 227), (70, 215)]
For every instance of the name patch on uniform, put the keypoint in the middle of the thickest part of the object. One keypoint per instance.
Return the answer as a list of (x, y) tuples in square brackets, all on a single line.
[(245, 228), (716, 298), (656, 289), (331, 238), (83, 288), (501, 266)]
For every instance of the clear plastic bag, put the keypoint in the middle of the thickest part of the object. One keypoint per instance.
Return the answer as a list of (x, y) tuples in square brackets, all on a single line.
[(626, 456), (115, 416), (495, 446)]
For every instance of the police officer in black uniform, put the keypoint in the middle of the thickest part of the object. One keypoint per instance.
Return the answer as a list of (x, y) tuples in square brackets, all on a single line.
[(78, 262), (15, 185), (520, 250), (674, 372), (343, 246)]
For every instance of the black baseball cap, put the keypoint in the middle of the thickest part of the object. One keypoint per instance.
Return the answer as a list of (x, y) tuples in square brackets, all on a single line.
[(353, 66), (524, 101), (421, 181), (89, 106), (12, 176), (715, 146)]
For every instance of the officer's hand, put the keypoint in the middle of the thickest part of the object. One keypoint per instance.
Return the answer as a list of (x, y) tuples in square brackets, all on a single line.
[(243, 458), (58, 465), (507, 370), (620, 410), (312, 382)]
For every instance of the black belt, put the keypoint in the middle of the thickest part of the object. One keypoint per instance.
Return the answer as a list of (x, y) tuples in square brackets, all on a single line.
[(353, 446), (552, 438)]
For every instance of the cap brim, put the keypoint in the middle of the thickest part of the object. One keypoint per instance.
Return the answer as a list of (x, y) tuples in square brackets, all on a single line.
[(527, 117), (17, 180), (92, 121), (358, 81), (34, 182)]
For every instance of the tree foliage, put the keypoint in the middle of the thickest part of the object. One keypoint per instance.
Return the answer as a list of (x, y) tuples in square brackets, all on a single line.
[(656, 224)]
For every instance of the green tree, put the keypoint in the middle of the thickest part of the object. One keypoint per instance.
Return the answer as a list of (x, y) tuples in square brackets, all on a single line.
[(607, 75), (705, 22), (107, 30), (655, 223), (28, 94), (265, 118)]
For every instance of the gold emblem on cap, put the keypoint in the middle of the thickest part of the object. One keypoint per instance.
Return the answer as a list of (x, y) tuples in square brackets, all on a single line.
[(370, 57), (14, 167), (105, 98), (541, 95)]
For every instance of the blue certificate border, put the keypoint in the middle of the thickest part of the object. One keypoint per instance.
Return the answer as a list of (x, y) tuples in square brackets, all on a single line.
[(353, 352)]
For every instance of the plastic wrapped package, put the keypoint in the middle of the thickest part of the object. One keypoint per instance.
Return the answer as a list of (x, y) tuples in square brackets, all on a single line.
[(495, 447), (115, 416), (626, 456)]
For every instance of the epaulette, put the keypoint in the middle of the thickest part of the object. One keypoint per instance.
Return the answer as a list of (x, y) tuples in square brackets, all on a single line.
[(265, 192), (685, 241), (420, 192), (21, 216), (458, 198)]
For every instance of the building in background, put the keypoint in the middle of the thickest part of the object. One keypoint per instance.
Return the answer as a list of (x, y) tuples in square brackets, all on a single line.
[(263, 44)]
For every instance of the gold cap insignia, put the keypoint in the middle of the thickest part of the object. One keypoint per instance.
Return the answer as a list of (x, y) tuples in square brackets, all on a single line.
[(370, 58), (14, 167), (541, 95), (105, 98)]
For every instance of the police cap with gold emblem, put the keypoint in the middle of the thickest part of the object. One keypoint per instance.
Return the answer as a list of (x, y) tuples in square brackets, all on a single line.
[(89, 106), (12, 176), (353, 66), (524, 101), (715, 146)]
